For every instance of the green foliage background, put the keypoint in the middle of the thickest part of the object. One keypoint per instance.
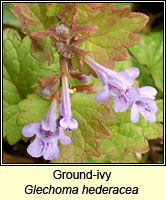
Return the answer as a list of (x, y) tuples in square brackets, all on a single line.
[(99, 138)]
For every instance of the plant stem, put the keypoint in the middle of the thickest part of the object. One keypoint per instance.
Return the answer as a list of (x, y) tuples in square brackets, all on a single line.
[(63, 66)]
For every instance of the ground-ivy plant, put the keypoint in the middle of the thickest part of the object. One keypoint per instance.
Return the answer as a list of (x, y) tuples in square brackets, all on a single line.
[(70, 85)]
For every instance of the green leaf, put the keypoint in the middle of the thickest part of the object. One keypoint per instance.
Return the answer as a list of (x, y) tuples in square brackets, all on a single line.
[(127, 137), (150, 54), (52, 9), (20, 67), (34, 17), (155, 130), (129, 158), (116, 28), (8, 17), (11, 97), (160, 110), (121, 5), (116, 32), (66, 12), (32, 109), (122, 65), (20, 64), (132, 158), (144, 77), (90, 116), (87, 11)]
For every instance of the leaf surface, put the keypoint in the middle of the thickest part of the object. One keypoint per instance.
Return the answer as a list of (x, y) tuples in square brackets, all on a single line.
[(34, 17), (9, 19), (20, 67), (150, 54), (116, 32), (127, 137)]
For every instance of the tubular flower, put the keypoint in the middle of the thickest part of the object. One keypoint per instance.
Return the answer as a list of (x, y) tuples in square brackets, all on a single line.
[(119, 86), (115, 84), (66, 120), (47, 135), (143, 103)]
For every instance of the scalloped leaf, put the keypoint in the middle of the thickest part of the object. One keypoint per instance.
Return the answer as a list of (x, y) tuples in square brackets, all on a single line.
[(87, 11), (116, 28), (20, 64), (34, 17), (127, 137), (116, 32), (20, 67)]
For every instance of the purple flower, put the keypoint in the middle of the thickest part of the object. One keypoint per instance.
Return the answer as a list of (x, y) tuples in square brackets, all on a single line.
[(47, 135), (119, 86), (115, 84), (66, 120), (143, 102)]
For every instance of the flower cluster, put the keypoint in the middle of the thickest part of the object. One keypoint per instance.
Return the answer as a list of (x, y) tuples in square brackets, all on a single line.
[(51, 130), (119, 86)]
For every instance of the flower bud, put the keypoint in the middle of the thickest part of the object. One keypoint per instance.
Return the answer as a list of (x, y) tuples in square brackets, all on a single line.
[(45, 92), (62, 29)]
